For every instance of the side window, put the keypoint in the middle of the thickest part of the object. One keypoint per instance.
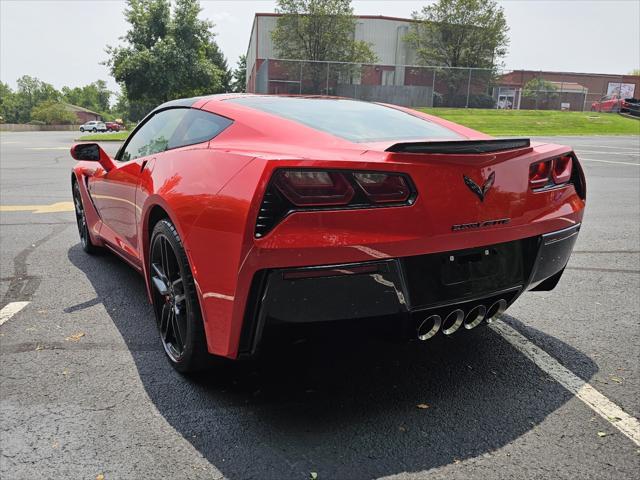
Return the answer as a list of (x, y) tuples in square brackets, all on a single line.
[(154, 135), (198, 126)]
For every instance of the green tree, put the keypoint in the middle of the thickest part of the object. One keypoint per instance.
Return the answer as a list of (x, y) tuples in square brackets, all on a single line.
[(239, 83), (461, 33), (167, 54), (319, 30), (32, 91), (53, 113), (218, 58), (190, 32), (121, 107), (94, 96), (8, 104), (635, 72), (540, 90)]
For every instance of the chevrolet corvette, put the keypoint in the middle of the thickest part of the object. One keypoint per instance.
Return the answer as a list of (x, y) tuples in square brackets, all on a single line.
[(246, 211)]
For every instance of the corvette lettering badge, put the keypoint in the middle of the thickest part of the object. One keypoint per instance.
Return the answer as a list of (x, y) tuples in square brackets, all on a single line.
[(475, 225)]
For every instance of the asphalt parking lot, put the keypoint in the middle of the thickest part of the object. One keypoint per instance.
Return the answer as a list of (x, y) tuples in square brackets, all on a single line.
[(85, 389)]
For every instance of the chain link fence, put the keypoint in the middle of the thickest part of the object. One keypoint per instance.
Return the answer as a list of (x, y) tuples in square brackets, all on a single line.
[(430, 86)]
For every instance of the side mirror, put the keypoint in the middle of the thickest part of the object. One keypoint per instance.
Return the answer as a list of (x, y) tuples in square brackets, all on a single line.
[(91, 152)]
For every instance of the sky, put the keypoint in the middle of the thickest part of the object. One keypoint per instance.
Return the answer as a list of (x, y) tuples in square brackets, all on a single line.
[(63, 42)]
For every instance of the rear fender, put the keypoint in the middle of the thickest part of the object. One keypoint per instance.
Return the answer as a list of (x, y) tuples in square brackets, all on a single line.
[(219, 243)]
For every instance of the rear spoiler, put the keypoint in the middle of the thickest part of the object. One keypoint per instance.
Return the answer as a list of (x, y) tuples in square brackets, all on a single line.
[(461, 146)]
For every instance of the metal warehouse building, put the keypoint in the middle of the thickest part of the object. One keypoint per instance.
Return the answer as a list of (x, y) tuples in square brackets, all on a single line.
[(385, 34), (396, 79)]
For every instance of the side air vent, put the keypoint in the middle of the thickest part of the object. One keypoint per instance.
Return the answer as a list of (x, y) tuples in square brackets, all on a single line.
[(272, 209)]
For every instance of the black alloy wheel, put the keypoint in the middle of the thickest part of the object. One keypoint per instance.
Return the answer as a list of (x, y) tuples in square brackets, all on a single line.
[(175, 301), (81, 220)]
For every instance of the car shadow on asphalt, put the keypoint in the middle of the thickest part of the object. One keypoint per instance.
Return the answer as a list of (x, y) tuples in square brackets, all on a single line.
[(354, 407)]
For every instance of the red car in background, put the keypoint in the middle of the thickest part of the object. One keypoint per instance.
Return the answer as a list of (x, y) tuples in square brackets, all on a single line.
[(246, 211), (608, 103), (113, 126)]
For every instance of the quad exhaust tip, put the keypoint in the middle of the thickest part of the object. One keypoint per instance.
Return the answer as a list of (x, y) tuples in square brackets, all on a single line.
[(457, 318), (452, 322), (496, 310), (475, 317), (429, 327)]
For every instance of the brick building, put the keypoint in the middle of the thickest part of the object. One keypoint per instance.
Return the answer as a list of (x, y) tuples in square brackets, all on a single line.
[(566, 90), (83, 114)]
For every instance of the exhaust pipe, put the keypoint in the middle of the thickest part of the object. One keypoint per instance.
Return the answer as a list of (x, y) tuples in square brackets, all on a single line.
[(475, 317), (452, 322), (496, 310), (429, 327)]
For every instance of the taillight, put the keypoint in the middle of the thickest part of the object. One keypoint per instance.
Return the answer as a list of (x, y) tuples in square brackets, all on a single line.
[(298, 189), (562, 169), (539, 173), (551, 173), (309, 188), (383, 187)]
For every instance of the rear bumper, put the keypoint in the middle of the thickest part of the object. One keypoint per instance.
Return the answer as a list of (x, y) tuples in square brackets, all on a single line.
[(413, 286)]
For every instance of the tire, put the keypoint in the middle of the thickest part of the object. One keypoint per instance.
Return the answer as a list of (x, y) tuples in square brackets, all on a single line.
[(81, 220), (94, 130), (109, 130), (175, 302), (81, 130)]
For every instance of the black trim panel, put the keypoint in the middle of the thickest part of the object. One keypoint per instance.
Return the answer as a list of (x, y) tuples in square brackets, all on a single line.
[(462, 147), (553, 255), (446, 277), (408, 287)]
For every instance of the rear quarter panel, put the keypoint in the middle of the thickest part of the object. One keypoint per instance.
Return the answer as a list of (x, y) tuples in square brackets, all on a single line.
[(185, 183)]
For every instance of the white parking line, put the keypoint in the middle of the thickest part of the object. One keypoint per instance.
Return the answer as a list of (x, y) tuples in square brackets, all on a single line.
[(10, 309), (608, 161), (604, 407), (635, 149), (47, 148), (579, 150)]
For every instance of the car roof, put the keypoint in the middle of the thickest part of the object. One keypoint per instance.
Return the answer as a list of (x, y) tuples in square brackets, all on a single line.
[(261, 126), (198, 102)]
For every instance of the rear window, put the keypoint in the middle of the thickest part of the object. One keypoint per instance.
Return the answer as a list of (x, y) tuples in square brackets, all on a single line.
[(352, 120)]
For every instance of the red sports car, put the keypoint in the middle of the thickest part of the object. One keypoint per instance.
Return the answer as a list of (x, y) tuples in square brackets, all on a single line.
[(608, 103), (113, 126), (242, 211)]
